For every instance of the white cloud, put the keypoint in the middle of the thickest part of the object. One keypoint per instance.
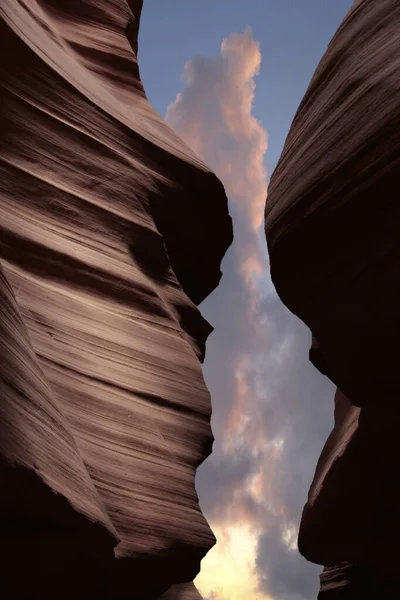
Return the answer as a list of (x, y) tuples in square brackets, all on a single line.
[(269, 415)]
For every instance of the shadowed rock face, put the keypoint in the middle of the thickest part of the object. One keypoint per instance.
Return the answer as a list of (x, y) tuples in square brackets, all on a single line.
[(112, 231), (332, 226)]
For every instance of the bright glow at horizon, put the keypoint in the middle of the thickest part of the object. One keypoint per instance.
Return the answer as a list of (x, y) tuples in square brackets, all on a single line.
[(228, 570)]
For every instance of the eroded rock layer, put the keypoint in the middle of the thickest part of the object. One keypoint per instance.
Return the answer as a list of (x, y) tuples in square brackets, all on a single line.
[(332, 225), (112, 231)]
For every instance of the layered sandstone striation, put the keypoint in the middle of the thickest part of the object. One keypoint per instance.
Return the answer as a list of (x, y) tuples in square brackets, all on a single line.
[(332, 225), (112, 231)]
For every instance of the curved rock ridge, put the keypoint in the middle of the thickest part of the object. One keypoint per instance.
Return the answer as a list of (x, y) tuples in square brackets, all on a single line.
[(112, 231), (332, 225)]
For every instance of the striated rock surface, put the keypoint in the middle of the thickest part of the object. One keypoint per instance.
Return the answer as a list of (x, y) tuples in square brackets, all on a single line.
[(112, 231), (332, 226)]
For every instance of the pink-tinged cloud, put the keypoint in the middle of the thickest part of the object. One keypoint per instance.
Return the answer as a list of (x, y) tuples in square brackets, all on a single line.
[(214, 116)]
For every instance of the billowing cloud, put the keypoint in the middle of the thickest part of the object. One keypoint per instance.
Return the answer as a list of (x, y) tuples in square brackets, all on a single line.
[(216, 105), (271, 409)]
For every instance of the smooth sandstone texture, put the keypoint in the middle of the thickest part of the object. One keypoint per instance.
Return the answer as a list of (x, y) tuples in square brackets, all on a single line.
[(332, 226), (332, 214), (112, 231)]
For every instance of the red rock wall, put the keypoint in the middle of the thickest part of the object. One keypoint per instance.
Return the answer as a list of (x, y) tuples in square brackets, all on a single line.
[(332, 225), (112, 231)]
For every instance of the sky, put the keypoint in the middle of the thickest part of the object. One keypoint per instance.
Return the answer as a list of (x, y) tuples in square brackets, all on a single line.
[(228, 76)]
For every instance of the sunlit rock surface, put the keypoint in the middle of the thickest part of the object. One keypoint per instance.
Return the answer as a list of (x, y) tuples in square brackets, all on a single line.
[(112, 231), (332, 225)]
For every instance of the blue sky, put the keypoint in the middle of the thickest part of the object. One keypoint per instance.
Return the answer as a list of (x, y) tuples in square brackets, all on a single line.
[(293, 36), (272, 411)]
